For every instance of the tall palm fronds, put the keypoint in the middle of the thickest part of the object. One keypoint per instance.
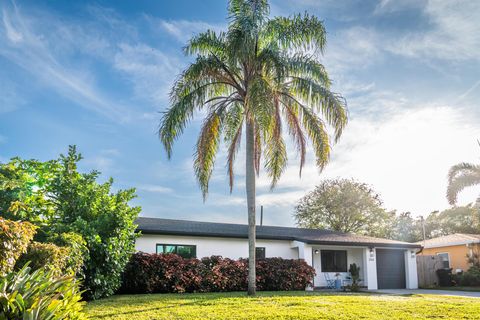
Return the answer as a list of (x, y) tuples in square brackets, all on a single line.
[(261, 77), (461, 176)]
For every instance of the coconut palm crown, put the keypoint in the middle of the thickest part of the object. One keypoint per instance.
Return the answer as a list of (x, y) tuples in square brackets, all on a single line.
[(461, 176), (260, 74)]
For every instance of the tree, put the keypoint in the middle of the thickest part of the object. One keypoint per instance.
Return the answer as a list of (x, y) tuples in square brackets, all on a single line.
[(72, 208), (406, 228), (343, 205), (463, 219), (461, 176), (258, 75)]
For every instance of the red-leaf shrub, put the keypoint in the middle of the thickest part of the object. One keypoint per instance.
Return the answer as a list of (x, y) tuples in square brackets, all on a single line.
[(163, 273)]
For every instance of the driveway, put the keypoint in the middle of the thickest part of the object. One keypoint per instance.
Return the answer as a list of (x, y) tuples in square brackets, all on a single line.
[(454, 293)]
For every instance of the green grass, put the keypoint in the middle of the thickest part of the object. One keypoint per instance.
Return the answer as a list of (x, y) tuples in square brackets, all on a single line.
[(283, 305), (474, 289)]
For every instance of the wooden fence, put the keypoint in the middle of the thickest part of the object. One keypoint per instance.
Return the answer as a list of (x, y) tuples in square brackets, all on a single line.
[(426, 270)]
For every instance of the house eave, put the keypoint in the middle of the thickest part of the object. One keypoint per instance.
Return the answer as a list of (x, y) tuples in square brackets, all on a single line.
[(279, 237)]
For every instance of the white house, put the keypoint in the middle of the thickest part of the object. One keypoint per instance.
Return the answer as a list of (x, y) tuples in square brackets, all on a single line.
[(384, 264)]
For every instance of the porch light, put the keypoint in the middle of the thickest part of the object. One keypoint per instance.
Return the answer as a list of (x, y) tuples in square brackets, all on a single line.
[(412, 253), (371, 253), (316, 251)]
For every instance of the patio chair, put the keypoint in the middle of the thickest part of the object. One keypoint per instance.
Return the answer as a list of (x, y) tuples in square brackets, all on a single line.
[(330, 282)]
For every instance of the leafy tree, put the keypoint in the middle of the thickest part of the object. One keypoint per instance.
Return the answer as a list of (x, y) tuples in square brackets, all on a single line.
[(72, 207), (404, 227), (258, 75), (463, 219), (461, 176), (343, 205)]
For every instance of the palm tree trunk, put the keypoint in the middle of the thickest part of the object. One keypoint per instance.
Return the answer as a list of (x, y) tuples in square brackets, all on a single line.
[(250, 186)]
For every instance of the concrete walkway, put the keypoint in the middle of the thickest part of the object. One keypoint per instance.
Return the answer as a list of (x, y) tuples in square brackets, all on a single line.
[(454, 293)]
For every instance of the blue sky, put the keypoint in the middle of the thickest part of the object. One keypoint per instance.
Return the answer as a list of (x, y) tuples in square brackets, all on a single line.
[(97, 74)]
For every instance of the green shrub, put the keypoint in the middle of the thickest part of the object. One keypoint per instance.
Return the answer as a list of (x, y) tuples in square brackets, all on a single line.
[(59, 199), (77, 251), (45, 255), (38, 295), (471, 277), (354, 271), (14, 239)]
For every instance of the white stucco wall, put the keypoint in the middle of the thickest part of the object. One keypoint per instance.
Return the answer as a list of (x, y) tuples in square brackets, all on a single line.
[(370, 263), (225, 247), (411, 269), (354, 255)]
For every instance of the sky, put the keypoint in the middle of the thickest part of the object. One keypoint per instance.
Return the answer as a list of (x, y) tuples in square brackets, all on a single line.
[(97, 74)]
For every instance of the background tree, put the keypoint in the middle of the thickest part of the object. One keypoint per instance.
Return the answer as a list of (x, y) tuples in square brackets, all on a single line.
[(72, 208), (404, 227), (463, 219), (343, 205), (259, 75)]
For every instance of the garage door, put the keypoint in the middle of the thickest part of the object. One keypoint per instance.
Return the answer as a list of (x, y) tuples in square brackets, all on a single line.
[(390, 269)]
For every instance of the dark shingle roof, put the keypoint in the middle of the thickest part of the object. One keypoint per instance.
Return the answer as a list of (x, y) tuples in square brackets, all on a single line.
[(228, 230)]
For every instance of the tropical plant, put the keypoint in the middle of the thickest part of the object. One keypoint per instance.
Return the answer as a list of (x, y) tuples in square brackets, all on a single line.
[(38, 295), (258, 75), (461, 176), (72, 209), (342, 205), (14, 239), (354, 271)]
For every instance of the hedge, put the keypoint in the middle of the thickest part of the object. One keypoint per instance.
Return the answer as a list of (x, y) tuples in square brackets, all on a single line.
[(14, 239), (167, 273)]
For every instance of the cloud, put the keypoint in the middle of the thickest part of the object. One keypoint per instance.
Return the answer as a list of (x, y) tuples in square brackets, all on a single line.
[(24, 42), (183, 30), (150, 70), (454, 33), (404, 156), (154, 188)]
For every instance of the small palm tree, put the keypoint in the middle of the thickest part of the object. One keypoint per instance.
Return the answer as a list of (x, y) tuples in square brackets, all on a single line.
[(257, 76), (461, 176)]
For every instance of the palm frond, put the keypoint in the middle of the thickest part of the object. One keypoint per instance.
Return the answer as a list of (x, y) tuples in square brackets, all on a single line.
[(275, 152), (300, 32), (461, 176), (206, 150)]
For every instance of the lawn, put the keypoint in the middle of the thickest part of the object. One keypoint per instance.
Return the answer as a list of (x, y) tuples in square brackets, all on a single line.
[(283, 305)]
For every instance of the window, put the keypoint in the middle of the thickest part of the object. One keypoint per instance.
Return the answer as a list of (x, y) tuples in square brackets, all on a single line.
[(445, 258), (185, 251), (334, 260), (260, 252)]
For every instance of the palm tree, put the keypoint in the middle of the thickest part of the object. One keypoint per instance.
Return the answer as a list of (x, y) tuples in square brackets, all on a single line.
[(257, 75), (461, 176)]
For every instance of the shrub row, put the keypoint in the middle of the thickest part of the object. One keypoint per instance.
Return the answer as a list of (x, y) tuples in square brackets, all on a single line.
[(164, 273), (471, 278)]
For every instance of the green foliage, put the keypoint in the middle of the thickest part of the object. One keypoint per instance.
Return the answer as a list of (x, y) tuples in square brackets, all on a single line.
[(77, 251), (470, 277), (354, 271), (38, 295), (342, 205), (48, 256), (72, 209), (455, 220), (461, 176), (14, 240)]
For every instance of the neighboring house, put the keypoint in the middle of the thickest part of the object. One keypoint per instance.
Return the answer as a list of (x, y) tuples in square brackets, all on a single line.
[(384, 263), (454, 249)]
